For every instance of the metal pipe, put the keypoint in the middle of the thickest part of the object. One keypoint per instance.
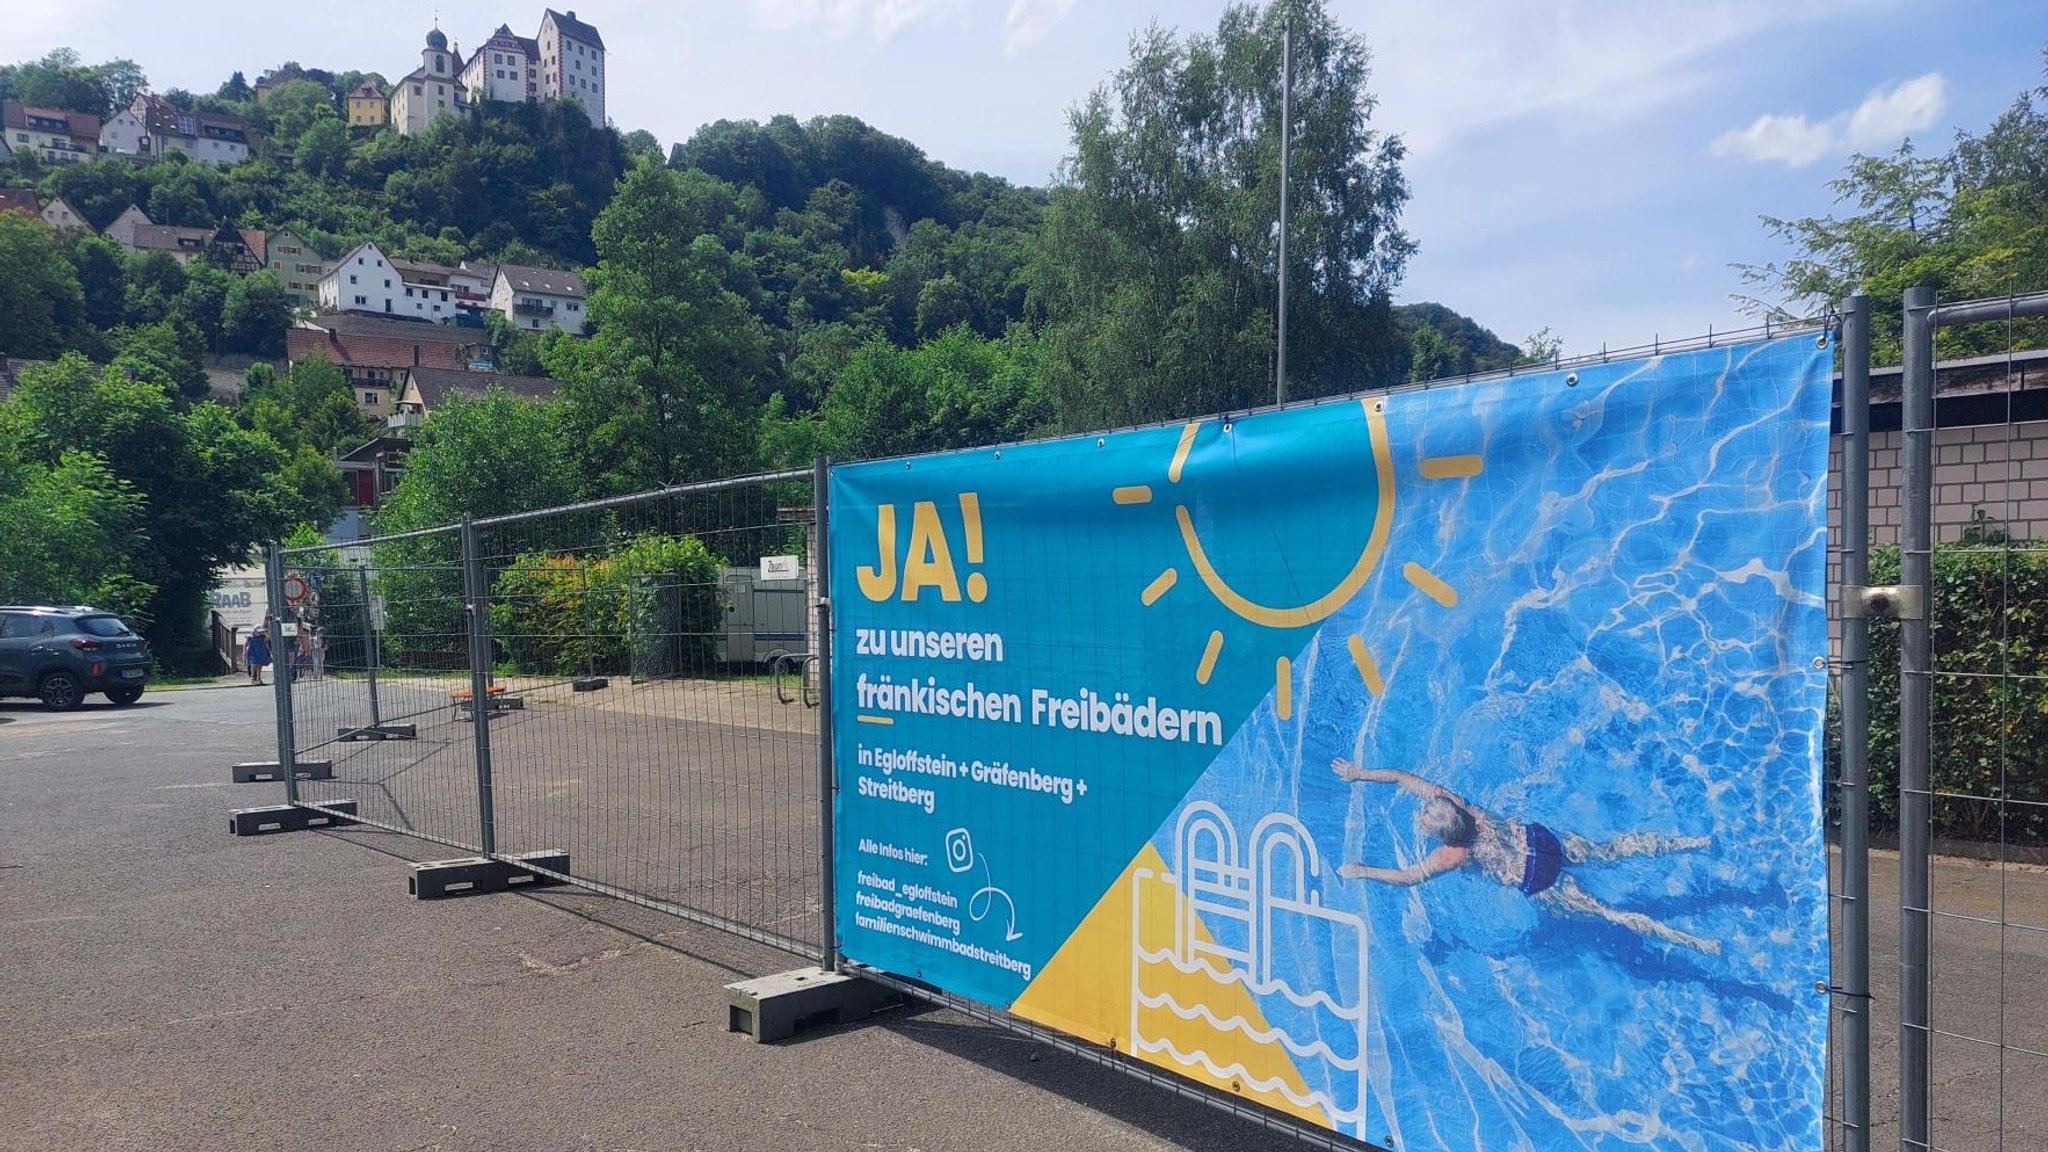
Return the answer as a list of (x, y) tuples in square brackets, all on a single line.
[(1981, 311), (1916, 652), (1854, 786), (479, 612), (1286, 147), (821, 569), (287, 762), (695, 489), (370, 659)]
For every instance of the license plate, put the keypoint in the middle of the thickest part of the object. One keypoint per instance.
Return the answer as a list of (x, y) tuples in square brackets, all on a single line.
[(134, 673)]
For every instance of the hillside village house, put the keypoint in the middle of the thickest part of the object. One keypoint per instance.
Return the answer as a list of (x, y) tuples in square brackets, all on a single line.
[(51, 135), (431, 91), (122, 230), (536, 298), (374, 352), (296, 265), (366, 280), (61, 216), (472, 284), (154, 127), (423, 389), (367, 107)]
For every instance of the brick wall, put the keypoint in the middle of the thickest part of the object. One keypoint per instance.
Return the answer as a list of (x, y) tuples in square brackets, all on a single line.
[(1998, 469)]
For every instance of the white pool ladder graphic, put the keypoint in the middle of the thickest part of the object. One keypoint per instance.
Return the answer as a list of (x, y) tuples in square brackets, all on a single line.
[(1246, 899)]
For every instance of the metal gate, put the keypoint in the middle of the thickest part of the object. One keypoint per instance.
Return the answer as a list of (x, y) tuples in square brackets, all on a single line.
[(554, 689)]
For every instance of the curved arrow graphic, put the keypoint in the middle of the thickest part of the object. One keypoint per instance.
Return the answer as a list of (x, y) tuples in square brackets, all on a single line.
[(980, 904)]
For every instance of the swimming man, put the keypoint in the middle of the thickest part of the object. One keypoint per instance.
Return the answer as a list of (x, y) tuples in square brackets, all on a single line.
[(1520, 855)]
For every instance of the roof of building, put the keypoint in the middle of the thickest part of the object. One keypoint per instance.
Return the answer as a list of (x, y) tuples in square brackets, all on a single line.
[(79, 125), (568, 25), (370, 450), (547, 280), (20, 200), (366, 91), (171, 238), (59, 202), (437, 39), (423, 74), (409, 269), (435, 384), (361, 324), (374, 351), (505, 38), (478, 270)]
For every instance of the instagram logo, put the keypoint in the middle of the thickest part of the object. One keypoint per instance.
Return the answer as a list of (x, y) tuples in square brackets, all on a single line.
[(959, 850)]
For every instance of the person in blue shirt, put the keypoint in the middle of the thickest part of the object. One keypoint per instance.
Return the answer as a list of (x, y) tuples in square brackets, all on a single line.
[(1519, 854), (258, 655)]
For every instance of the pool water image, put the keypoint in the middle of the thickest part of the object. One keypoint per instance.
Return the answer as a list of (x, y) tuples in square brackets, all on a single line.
[(1598, 625)]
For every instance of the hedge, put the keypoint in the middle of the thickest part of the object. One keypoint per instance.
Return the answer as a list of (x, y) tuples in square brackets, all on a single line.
[(1989, 695), (648, 606)]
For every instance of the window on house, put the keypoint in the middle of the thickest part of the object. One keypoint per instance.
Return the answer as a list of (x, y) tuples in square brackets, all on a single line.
[(361, 300), (419, 90), (408, 292), (369, 397), (352, 276), (387, 283), (277, 265)]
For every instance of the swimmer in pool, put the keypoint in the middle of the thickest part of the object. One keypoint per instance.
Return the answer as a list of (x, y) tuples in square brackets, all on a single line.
[(1519, 855)]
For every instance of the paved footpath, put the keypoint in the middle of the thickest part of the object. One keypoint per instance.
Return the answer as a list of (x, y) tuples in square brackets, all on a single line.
[(168, 986)]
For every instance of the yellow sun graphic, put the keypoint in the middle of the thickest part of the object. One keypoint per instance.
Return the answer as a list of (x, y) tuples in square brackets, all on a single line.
[(1322, 607)]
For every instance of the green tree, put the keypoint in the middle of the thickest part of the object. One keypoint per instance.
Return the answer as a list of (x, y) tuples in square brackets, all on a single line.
[(42, 309), (69, 532), (211, 489), (1155, 276), (255, 314), (60, 80), (102, 272), (665, 388)]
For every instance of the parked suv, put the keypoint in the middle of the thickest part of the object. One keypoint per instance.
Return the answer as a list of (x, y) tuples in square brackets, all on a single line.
[(63, 654)]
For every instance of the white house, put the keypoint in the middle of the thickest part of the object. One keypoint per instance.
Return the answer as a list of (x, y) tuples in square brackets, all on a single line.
[(572, 62), (536, 298), (61, 216), (506, 69), (122, 230), (366, 280), (431, 91), (362, 281), (155, 127), (473, 283)]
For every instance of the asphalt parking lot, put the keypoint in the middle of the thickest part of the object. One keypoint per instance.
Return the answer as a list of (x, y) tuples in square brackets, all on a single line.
[(171, 986)]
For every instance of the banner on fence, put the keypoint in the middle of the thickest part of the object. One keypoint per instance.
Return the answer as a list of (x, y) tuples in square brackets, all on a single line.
[(1441, 767)]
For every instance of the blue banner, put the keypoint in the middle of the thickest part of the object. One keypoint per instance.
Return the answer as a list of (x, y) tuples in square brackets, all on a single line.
[(1439, 767)]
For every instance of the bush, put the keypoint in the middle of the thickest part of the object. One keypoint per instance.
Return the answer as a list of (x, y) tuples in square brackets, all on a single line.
[(649, 607), (1990, 694)]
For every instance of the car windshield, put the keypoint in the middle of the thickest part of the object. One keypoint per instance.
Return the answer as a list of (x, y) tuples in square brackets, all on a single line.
[(104, 626)]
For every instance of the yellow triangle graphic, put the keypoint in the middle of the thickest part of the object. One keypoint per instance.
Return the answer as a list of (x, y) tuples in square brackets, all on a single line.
[(1085, 991)]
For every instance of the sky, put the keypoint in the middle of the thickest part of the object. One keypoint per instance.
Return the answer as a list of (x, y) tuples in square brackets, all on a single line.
[(1591, 168)]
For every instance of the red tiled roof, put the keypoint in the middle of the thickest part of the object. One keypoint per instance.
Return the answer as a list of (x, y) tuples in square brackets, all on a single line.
[(20, 200), (81, 126), (361, 351)]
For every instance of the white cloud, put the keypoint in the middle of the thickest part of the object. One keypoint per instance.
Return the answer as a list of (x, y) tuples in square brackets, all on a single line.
[(1888, 113), (1445, 70), (1790, 140), (1028, 21)]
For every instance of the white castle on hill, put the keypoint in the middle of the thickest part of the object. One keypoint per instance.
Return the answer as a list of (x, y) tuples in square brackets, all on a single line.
[(564, 60)]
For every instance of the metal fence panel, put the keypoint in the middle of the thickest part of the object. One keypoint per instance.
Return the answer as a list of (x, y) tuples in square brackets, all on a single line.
[(600, 680), (1973, 748)]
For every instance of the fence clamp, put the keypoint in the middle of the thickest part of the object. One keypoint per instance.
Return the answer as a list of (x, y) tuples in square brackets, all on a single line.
[(1889, 601)]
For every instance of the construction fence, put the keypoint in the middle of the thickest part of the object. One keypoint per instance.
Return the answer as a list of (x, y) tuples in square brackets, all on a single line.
[(636, 696)]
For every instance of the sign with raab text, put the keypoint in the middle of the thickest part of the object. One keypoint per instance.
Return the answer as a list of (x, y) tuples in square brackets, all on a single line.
[(1440, 768)]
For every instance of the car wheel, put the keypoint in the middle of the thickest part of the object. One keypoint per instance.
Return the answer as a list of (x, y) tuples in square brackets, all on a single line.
[(124, 695), (60, 692)]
